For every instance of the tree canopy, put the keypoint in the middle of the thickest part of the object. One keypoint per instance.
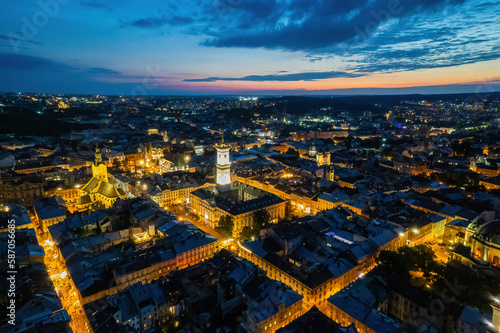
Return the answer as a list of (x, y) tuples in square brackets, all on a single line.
[(261, 219), (226, 225)]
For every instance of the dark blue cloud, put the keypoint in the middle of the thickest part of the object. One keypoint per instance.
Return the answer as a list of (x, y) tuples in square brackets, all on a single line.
[(105, 71), (38, 74), (98, 5), (307, 76), (32, 63), (16, 39), (155, 22), (381, 34), (311, 25), (19, 61)]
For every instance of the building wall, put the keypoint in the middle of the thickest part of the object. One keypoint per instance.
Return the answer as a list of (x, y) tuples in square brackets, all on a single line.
[(284, 317), (451, 232), (22, 194), (304, 205), (210, 215), (344, 319), (315, 296), (486, 251), (44, 224), (158, 270), (179, 196)]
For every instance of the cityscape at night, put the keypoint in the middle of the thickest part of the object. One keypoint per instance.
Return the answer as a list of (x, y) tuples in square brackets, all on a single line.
[(250, 166)]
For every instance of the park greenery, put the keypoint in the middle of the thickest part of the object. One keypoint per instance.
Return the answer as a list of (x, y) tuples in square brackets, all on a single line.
[(261, 220), (418, 265), (226, 225)]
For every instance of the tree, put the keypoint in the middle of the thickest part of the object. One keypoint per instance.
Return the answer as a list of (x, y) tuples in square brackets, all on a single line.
[(226, 225), (247, 233), (393, 262), (418, 258), (293, 152), (425, 260), (409, 255), (229, 223), (261, 219)]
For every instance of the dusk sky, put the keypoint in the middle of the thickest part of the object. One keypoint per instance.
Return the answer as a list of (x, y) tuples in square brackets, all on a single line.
[(250, 46)]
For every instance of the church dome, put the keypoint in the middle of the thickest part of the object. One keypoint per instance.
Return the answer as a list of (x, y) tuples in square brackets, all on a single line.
[(489, 232)]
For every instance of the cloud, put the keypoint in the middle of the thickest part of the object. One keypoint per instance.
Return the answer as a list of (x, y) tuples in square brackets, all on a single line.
[(33, 73), (19, 61), (98, 5), (306, 76), (310, 25), (14, 39), (155, 22), (371, 35), (34, 63), (106, 71)]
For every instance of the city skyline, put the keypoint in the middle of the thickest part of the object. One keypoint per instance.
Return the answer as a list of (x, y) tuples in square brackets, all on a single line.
[(251, 166), (259, 47)]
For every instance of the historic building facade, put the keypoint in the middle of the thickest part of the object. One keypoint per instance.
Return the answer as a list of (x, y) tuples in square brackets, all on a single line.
[(235, 199), (98, 192)]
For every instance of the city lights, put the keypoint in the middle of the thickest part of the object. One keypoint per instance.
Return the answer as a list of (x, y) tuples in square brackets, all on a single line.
[(250, 166)]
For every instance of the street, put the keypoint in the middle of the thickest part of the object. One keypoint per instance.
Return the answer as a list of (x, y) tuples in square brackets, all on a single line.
[(64, 286), (201, 226)]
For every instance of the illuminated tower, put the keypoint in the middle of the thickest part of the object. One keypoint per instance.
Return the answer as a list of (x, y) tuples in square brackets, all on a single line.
[(99, 169), (312, 150), (329, 173), (223, 165)]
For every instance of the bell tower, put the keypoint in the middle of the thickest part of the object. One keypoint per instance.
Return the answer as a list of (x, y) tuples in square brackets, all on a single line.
[(223, 165), (99, 168)]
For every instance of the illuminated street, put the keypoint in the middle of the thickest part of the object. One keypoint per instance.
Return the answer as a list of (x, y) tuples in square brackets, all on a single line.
[(64, 286), (202, 226), (280, 166)]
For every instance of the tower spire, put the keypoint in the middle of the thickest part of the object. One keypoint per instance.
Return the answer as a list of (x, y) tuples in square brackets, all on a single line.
[(97, 156)]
